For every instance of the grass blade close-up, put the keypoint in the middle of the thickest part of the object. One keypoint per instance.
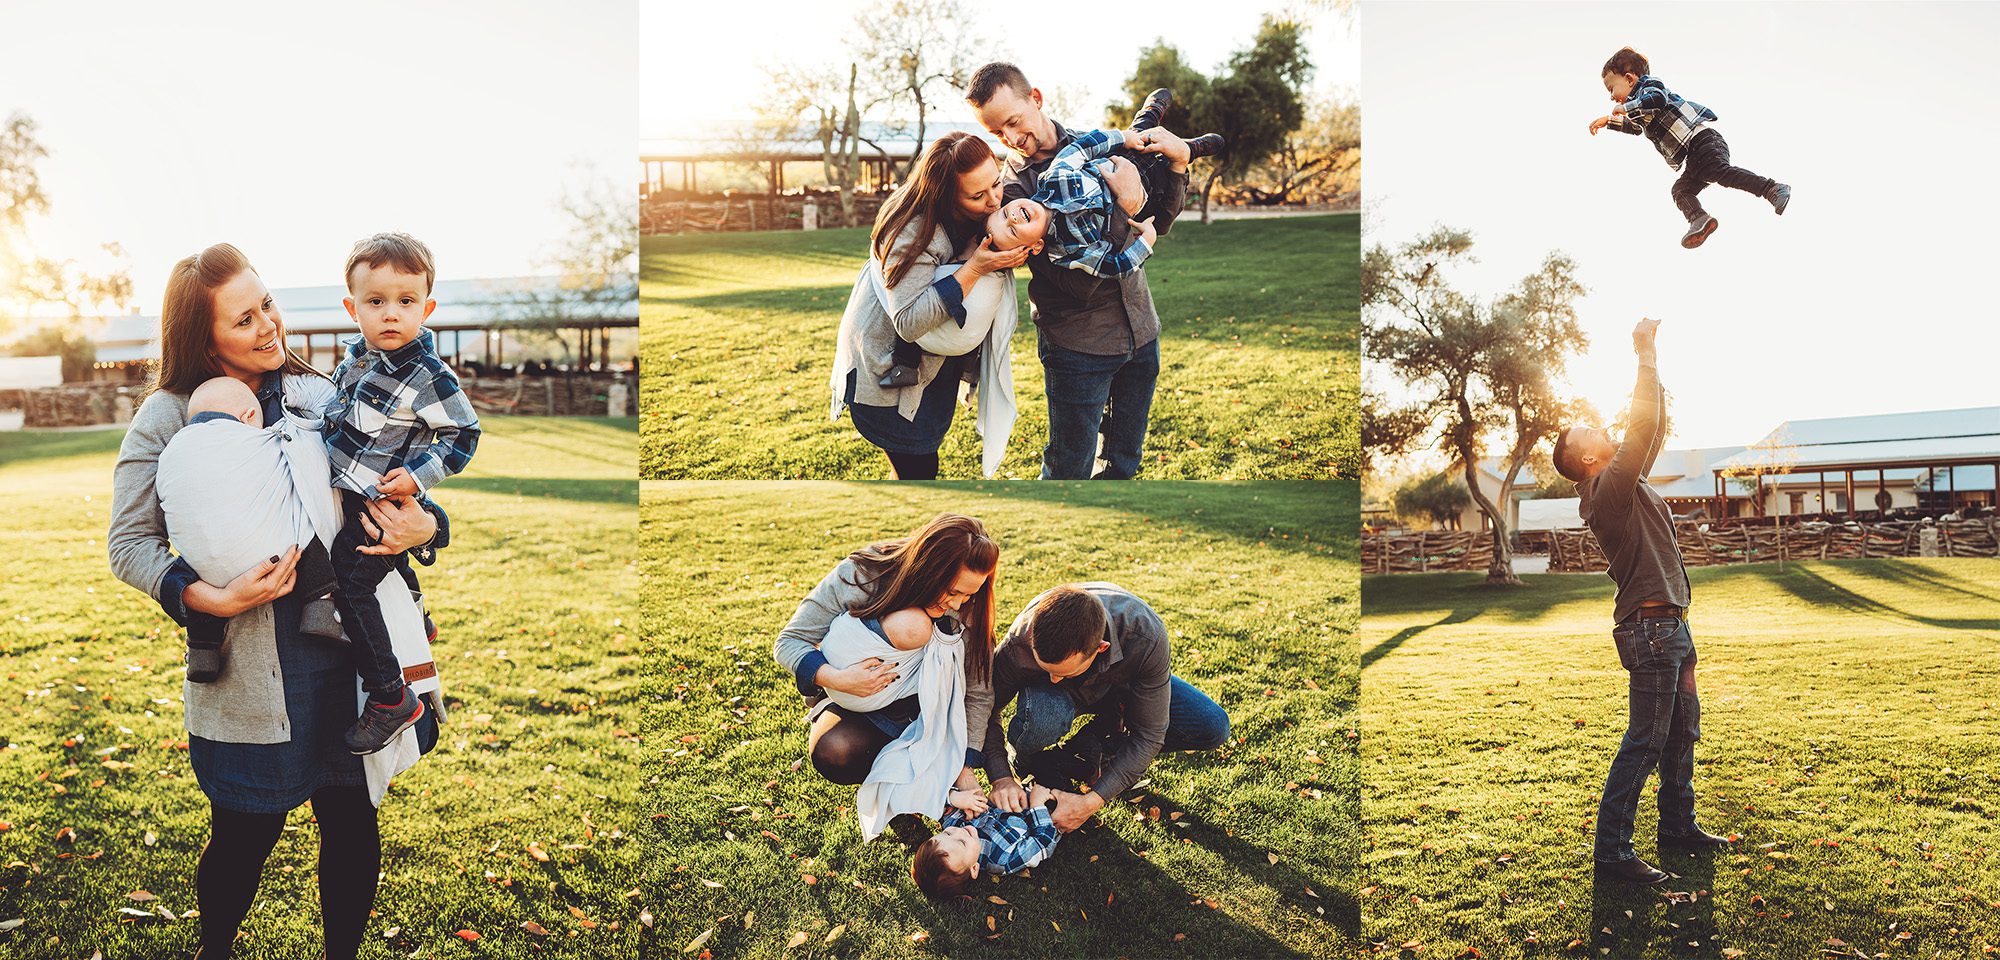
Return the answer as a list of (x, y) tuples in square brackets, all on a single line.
[(1847, 730), (1245, 851), (1258, 357), (522, 819)]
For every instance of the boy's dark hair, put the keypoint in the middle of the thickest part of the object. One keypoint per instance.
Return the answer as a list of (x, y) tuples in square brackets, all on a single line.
[(1566, 464), (1064, 622), (933, 875), (1627, 60), (400, 250), (987, 80)]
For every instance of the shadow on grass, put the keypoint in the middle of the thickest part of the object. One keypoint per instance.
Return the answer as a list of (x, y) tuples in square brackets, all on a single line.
[(1811, 586), (579, 491), (1389, 646), (1623, 917), (1141, 896), (1327, 512)]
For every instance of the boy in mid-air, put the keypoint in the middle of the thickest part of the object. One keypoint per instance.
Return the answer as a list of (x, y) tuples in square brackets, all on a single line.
[(398, 424), (1092, 179), (995, 842), (1680, 130)]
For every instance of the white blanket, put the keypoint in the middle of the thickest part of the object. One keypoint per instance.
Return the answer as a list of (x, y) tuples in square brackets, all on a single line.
[(848, 641), (234, 495), (991, 314), (913, 774)]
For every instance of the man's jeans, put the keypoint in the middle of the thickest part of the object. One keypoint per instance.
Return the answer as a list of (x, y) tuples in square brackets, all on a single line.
[(1089, 394), (1664, 723), (1707, 162), (1043, 713)]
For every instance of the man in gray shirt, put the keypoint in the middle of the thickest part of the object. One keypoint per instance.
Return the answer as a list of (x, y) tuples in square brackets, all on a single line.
[(1098, 336), (1636, 531), (1088, 648)]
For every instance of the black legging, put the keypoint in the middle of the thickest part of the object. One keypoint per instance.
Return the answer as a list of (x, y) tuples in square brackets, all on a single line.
[(846, 752), (232, 863), (913, 466)]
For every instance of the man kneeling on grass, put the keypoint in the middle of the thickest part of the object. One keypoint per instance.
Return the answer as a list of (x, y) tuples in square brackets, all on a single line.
[(1636, 530), (1087, 648)]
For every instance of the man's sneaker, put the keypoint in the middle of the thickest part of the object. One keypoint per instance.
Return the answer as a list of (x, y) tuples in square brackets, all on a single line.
[(1698, 230), (1153, 112), (1779, 195), (379, 724), (204, 663), (1206, 145)]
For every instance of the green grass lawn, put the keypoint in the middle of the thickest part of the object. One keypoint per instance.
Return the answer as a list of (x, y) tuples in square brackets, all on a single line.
[(1258, 370), (1243, 852), (1848, 732), (540, 665)]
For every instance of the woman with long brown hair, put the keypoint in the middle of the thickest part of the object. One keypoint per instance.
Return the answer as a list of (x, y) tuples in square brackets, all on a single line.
[(946, 568), (935, 218), (267, 734)]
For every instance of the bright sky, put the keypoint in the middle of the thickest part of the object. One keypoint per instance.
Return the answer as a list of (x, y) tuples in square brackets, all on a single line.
[(703, 66), (293, 130), (1863, 298)]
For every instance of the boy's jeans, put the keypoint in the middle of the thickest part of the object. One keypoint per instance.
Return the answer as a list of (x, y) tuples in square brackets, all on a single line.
[(1708, 162), (1088, 395), (356, 575), (1043, 713), (1663, 725)]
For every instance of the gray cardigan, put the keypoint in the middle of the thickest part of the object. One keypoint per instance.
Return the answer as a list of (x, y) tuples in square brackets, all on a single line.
[(247, 703), (836, 594), (868, 332)]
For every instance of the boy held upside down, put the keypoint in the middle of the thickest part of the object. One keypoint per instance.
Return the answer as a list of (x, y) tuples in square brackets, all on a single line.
[(1090, 180)]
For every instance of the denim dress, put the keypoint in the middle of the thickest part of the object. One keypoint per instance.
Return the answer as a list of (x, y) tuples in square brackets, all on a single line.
[(320, 701)]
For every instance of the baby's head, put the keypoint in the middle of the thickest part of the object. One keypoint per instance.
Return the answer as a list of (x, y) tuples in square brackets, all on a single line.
[(947, 862), (1018, 223), (1622, 73), (226, 395), (389, 279)]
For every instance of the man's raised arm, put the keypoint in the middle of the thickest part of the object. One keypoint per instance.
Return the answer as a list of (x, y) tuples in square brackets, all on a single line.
[(1645, 427)]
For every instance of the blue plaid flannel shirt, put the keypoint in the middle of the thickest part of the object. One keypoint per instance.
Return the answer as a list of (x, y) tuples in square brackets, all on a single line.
[(1008, 842), (1080, 208), (403, 409), (1663, 117)]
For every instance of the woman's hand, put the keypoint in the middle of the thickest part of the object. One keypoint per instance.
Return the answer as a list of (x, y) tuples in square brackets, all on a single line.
[(985, 259), (864, 679), (257, 586), (397, 524)]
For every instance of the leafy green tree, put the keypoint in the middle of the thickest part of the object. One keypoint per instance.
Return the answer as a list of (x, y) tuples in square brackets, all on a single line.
[(1482, 375), (29, 281), (1439, 498), (75, 348)]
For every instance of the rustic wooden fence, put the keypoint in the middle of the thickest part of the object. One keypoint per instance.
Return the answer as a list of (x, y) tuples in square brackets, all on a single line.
[(1576, 551), (558, 394), (667, 214)]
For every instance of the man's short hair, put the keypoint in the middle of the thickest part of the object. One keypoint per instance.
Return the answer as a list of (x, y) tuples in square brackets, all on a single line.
[(1566, 464), (987, 80), (1064, 622), (934, 875), (1627, 60), (400, 250)]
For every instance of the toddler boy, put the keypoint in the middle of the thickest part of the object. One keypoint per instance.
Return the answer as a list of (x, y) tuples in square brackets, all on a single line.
[(995, 842)]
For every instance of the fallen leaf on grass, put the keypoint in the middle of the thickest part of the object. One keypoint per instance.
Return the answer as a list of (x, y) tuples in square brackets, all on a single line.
[(993, 899), (992, 924), (140, 896), (919, 937), (467, 935), (1272, 857), (535, 850), (809, 879), (834, 934), (696, 943), (797, 939), (534, 928), (6, 925), (646, 918)]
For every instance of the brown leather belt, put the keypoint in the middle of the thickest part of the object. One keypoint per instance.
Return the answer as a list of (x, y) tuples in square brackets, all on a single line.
[(1662, 610)]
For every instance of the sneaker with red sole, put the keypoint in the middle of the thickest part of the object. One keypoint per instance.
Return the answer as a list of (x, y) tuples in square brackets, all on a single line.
[(380, 723)]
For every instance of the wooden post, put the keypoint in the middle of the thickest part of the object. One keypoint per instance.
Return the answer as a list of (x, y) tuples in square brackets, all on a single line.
[(1850, 493)]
